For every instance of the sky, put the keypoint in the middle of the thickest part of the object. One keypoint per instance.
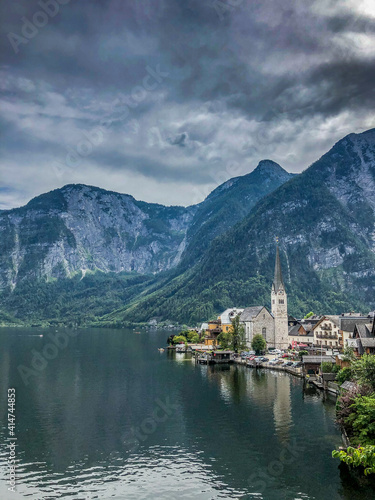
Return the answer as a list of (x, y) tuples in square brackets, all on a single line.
[(167, 99)]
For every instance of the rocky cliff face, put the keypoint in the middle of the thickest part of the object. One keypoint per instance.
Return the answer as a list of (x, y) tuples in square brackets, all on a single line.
[(79, 228)]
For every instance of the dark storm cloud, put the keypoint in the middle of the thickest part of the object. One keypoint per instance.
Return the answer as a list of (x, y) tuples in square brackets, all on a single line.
[(241, 80)]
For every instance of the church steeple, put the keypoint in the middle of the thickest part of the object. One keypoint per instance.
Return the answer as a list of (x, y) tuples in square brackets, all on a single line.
[(279, 305), (278, 278)]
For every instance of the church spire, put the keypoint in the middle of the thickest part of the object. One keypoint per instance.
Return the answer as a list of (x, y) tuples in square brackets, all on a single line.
[(278, 279)]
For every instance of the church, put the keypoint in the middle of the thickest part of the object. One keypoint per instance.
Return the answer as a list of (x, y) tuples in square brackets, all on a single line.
[(272, 325)]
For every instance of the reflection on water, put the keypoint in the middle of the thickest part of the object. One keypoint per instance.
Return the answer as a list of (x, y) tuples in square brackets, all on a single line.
[(111, 417)]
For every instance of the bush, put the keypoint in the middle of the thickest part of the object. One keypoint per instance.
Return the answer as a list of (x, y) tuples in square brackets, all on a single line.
[(303, 353), (327, 367), (362, 420), (364, 370), (344, 405), (363, 456), (343, 375)]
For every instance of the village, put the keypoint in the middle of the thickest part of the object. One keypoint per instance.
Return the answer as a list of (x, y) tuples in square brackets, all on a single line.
[(317, 347)]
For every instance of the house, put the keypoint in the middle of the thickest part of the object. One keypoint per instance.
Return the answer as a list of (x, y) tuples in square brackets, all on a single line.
[(327, 332), (222, 324), (347, 322), (212, 332), (203, 327), (227, 316), (311, 364), (257, 320), (364, 335), (300, 336)]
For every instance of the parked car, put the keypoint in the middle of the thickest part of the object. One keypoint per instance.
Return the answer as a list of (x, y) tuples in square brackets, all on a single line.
[(288, 363), (265, 360), (276, 351), (285, 355), (297, 364)]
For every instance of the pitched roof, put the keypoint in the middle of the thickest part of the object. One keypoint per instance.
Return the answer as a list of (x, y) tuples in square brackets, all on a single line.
[(293, 330), (347, 386), (278, 278), (317, 359), (250, 313), (335, 320), (364, 331), (347, 324), (370, 342), (229, 314)]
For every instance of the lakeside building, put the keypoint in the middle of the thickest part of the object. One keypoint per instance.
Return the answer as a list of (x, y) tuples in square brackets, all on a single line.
[(212, 332), (364, 339), (301, 335), (227, 316), (335, 331), (257, 320), (326, 332)]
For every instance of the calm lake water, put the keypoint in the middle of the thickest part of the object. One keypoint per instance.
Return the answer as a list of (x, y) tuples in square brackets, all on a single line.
[(110, 417)]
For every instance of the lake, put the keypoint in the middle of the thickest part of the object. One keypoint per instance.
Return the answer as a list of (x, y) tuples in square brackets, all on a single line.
[(105, 415)]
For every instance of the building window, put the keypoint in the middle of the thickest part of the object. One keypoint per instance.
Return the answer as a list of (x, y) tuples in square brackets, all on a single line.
[(264, 331), (281, 301), (273, 301)]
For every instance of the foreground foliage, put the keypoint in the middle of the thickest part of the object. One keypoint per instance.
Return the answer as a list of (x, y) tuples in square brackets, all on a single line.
[(363, 456)]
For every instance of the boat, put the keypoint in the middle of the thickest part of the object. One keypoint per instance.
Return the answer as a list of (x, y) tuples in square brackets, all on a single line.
[(161, 349)]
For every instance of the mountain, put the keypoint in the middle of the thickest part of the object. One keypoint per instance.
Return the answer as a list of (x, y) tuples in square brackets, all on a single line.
[(228, 204), (81, 228), (325, 221), (50, 247)]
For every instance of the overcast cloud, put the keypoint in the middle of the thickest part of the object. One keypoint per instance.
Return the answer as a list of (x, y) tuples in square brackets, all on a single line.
[(165, 99)]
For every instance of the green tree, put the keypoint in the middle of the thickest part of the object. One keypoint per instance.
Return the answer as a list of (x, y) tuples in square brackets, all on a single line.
[(258, 343), (364, 370), (237, 332), (179, 339), (225, 340), (194, 339), (308, 315)]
